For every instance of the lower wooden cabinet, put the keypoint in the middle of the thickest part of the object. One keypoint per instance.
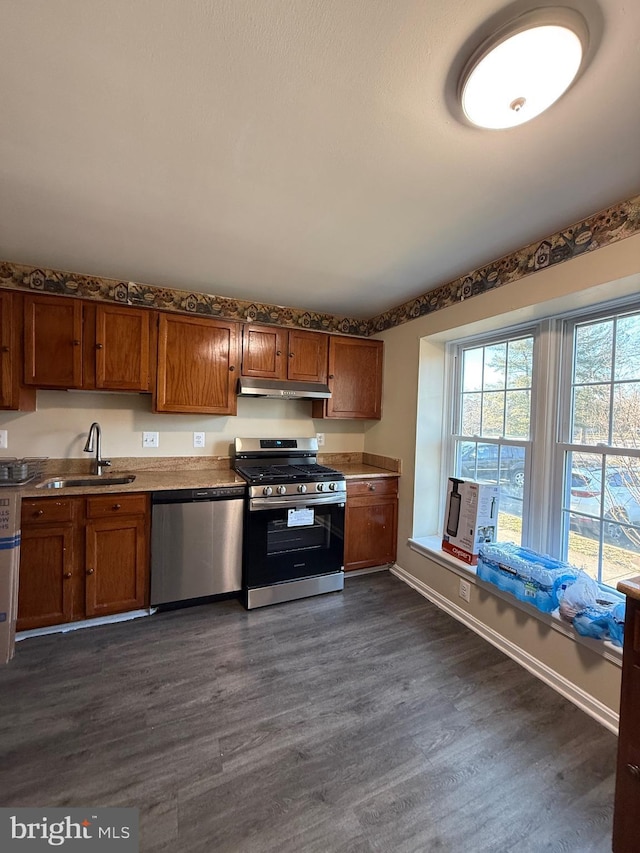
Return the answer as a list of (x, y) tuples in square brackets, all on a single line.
[(627, 796), (371, 523), (82, 557)]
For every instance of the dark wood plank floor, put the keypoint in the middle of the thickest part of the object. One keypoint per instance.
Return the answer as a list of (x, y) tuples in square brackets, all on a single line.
[(361, 722)]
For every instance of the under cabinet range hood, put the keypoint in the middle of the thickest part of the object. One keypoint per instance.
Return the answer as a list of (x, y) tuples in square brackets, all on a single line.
[(282, 390)]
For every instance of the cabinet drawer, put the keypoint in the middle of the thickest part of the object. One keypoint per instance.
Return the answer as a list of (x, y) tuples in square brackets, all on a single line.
[(45, 511), (375, 486), (113, 505)]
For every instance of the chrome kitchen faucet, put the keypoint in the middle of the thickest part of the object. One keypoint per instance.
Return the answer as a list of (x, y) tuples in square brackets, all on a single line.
[(95, 433)]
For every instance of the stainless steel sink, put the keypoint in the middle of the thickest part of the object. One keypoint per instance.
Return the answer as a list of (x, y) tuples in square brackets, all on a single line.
[(67, 482)]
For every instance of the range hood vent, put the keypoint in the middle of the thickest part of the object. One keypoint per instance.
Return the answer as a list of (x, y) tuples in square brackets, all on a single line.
[(250, 387)]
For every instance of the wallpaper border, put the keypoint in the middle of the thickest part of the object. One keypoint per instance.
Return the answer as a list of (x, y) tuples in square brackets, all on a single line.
[(607, 226)]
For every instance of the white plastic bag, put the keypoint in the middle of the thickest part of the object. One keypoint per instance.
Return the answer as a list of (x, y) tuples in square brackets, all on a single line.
[(578, 596)]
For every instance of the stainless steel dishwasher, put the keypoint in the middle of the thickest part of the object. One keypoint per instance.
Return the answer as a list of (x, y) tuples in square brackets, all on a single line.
[(196, 543)]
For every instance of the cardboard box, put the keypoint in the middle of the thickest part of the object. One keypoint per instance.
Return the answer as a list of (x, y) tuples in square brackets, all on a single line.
[(471, 518), (9, 564)]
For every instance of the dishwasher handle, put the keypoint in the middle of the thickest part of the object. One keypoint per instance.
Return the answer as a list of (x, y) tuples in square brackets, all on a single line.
[(214, 493)]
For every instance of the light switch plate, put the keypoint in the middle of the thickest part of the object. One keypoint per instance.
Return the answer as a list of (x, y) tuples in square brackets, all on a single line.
[(150, 439), (198, 439), (320, 437), (4, 439)]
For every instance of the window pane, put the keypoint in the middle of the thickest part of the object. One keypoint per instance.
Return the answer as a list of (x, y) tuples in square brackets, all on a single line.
[(493, 413), (593, 352), (520, 363), (590, 414), (518, 414), (626, 415), (509, 518), (495, 367), (472, 369), (627, 346), (471, 414)]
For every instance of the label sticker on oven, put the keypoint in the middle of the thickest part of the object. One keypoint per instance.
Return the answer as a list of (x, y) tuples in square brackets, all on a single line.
[(299, 517)]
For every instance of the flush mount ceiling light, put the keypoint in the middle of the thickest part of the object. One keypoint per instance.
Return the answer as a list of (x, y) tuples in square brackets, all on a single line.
[(523, 68)]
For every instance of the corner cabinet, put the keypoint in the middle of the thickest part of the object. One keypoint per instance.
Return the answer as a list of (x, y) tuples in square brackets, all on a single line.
[(197, 368), (269, 352), (355, 380), (371, 523), (73, 344), (13, 394), (82, 557), (627, 795)]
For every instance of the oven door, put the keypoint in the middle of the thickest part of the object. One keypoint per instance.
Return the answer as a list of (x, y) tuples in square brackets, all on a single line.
[(291, 538)]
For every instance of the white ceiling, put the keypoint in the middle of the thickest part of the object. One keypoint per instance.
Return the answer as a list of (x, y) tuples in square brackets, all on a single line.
[(298, 152)]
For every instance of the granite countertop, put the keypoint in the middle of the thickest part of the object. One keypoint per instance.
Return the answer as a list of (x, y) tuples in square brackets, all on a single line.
[(183, 473), (630, 588)]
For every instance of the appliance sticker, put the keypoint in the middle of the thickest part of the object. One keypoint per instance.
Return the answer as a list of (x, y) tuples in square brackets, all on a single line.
[(299, 517)]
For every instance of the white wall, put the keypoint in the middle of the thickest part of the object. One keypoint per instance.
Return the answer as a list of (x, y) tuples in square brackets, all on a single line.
[(591, 278), (58, 428)]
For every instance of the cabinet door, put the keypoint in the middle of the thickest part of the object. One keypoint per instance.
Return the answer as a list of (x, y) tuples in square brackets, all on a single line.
[(355, 380), (122, 348), (13, 394), (264, 352), (197, 361), (116, 565), (45, 586), (627, 794), (307, 357), (52, 342), (371, 523)]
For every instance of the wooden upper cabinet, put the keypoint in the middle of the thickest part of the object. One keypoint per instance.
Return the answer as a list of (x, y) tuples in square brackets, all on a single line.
[(269, 352), (197, 365), (52, 342), (13, 394), (355, 380), (308, 356), (122, 348), (75, 344)]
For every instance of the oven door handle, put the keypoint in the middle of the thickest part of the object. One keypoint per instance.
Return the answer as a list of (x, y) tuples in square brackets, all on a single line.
[(256, 504)]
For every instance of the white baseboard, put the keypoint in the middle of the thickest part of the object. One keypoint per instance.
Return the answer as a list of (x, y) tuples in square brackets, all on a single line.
[(587, 703)]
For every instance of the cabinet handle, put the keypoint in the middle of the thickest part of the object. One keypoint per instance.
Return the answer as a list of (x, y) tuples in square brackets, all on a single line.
[(66, 575), (38, 513), (291, 354), (116, 506), (331, 376), (278, 352), (372, 488), (98, 346), (634, 770), (231, 368), (76, 343), (90, 571), (5, 349)]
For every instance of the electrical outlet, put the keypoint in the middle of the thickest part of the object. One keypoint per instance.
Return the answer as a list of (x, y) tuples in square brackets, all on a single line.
[(465, 591), (198, 439), (4, 439), (320, 437), (150, 439)]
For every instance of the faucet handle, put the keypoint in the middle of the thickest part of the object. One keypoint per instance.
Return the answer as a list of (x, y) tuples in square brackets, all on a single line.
[(104, 463)]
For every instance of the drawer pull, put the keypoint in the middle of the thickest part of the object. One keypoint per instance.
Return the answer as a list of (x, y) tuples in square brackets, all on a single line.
[(90, 571), (116, 506), (98, 346), (38, 513), (66, 575), (634, 770), (76, 343), (372, 488)]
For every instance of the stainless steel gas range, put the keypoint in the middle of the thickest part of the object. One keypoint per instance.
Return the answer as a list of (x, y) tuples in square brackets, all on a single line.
[(294, 521)]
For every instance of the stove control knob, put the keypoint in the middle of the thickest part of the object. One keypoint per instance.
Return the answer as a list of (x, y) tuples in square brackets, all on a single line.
[(320, 487), (282, 490), (302, 488), (332, 487), (267, 491)]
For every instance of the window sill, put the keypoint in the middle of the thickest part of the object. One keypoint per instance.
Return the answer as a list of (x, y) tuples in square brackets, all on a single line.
[(431, 547)]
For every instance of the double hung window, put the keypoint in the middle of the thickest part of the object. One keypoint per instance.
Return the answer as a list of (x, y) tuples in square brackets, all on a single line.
[(551, 414)]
